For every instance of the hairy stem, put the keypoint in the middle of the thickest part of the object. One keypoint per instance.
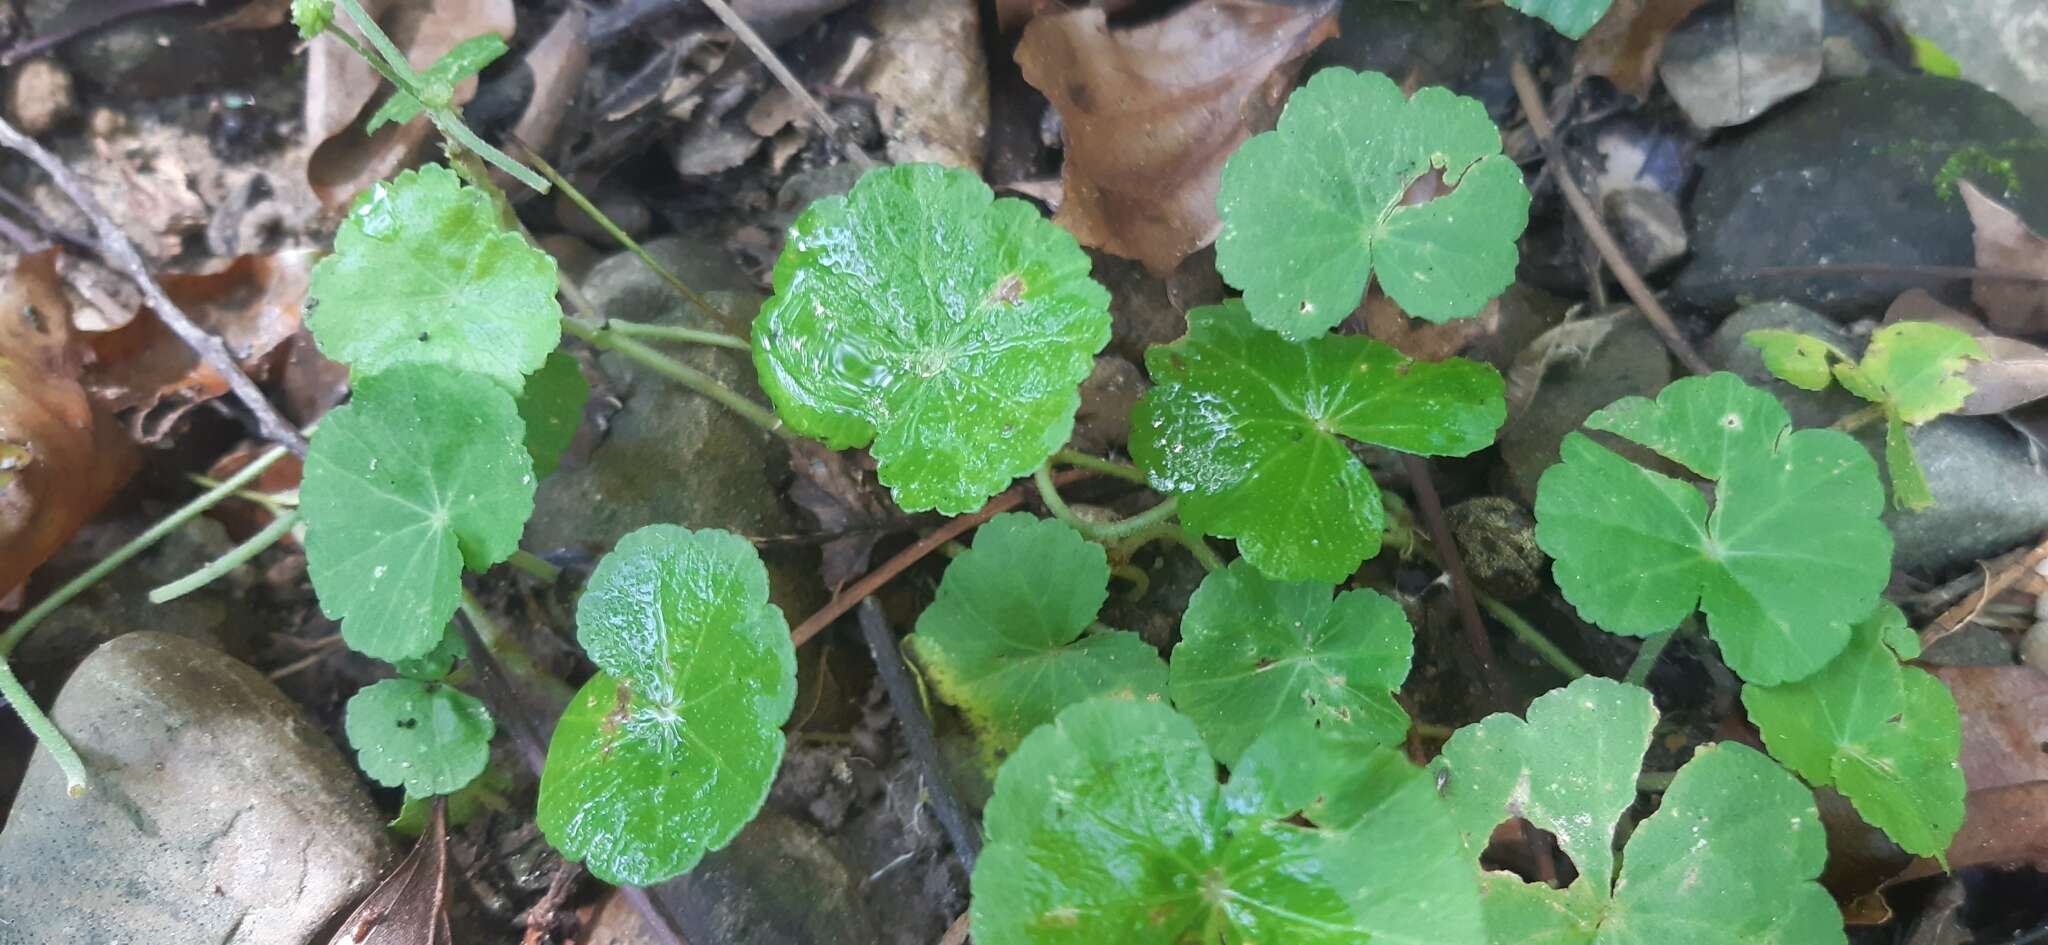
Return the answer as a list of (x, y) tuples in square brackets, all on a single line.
[(45, 732), (235, 558), (1098, 531), (135, 546)]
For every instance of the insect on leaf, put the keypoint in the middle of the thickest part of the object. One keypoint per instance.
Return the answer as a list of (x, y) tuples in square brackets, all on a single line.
[(1794, 542), (1250, 430), (424, 470), (1734, 848), (1108, 825), (1348, 187), (1006, 641), (944, 329), (1255, 651), (424, 271), (426, 737), (665, 754), (1885, 735)]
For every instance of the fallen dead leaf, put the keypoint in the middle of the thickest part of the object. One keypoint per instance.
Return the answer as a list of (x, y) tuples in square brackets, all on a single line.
[(1423, 340), (2015, 373), (145, 373), (60, 457), (2006, 244), (340, 89), (557, 63), (410, 907), (1199, 82), (2005, 723), (1625, 46)]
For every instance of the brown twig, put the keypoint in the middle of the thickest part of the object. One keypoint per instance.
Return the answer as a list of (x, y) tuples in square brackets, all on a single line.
[(761, 50), (118, 252), (1589, 218), (1453, 564), (917, 730), (1956, 617), (859, 590), (956, 934)]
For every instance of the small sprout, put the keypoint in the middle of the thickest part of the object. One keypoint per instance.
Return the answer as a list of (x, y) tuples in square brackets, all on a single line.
[(1791, 556), (312, 17), (1315, 208), (1004, 639), (1250, 431), (426, 737)]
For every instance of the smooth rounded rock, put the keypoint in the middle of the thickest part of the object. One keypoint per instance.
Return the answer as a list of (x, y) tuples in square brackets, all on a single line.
[(217, 812)]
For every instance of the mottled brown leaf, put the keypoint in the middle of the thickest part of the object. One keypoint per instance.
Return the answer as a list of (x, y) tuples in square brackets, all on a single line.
[(2005, 723), (1626, 44), (1150, 113), (2006, 244)]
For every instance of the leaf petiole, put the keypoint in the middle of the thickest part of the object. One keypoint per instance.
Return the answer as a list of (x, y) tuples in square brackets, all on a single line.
[(235, 558), (676, 333)]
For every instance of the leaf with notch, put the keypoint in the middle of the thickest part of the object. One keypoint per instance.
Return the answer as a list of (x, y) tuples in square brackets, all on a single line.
[(424, 470), (1794, 541), (1250, 431), (467, 59), (551, 403), (1887, 736), (1315, 208), (1004, 639), (948, 329), (424, 271), (426, 737), (1255, 652), (1729, 857), (670, 750), (1108, 825)]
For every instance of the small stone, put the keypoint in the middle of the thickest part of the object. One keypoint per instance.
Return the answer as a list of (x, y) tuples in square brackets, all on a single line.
[(627, 212), (1103, 424), (1997, 43), (217, 812), (1973, 645), (2034, 646), (1727, 66), (1648, 223), (779, 883), (930, 81), (1629, 359), (40, 97), (1497, 538)]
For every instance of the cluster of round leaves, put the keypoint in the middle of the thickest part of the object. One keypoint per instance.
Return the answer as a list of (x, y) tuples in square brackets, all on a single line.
[(1787, 565), (447, 322), (1011, 639)]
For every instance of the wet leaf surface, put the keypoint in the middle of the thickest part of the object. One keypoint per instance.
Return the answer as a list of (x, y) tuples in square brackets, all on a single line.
[(427, 737)]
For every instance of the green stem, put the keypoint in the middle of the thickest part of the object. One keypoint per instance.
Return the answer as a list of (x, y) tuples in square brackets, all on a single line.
[(716, 339), (1529, 635), (135, 546), (400, 67), (678, 372), (533, 564), (1081, 460), (45, 732), (1098, 531), (1050, 495), (235, 558), (1155, 515), (1646, 657), (612, 229), (1200, 549), (1859, 419), (516, 660)]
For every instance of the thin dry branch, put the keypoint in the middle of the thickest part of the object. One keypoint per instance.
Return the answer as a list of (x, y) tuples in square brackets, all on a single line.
[(761, 50), (115, 248), (1624, 272)]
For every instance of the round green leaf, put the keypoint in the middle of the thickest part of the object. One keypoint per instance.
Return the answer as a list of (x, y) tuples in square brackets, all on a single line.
[(424, 470), (1885, 735), (1793, 545), (1918, 368), (1730, 856), (950, 329), (424, 272), (426, 737), (1249, 430), (1570, 17), (1314, 208), (1108, 826), (1255, 652), (670, 751), (551, 403), (1004, 639), (437, 662)]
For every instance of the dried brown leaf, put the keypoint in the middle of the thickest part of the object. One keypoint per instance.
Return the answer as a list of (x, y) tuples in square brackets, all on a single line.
[(557, 62), (1150, 113), (410, 907), (145, 373), (2005, 723), (1424, 341), (341, 90), (60, 458), (1625, 46), (2006, 244)]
